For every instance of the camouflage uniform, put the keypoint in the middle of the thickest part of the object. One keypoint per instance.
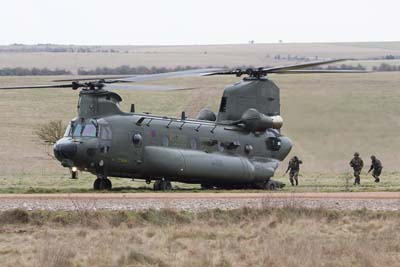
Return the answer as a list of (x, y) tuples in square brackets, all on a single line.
[(376, 168), (294, 167), (357, 164)]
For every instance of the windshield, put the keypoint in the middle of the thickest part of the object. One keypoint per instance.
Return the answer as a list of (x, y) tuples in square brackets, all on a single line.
[(84, 130), (68, 131), (89, 130)]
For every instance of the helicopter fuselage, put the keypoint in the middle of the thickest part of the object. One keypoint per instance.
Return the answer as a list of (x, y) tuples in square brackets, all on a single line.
[(192, 151), (105, 141)]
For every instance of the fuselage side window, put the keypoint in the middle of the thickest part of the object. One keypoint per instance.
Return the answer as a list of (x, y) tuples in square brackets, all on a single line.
[(105, 132)]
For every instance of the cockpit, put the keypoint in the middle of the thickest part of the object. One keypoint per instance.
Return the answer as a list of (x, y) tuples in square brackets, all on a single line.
[(93, 128)]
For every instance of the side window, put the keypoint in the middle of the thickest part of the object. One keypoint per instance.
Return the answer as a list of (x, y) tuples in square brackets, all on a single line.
[(105, 132)]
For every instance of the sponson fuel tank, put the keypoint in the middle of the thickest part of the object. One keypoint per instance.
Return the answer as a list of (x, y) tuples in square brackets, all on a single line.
[(199, 166)]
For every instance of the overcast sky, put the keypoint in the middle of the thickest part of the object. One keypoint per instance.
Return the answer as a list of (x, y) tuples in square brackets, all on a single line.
[(164, 22)]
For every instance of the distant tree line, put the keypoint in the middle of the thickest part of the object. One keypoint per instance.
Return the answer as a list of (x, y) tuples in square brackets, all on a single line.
[(52, 48), (32, 72), (386, 67), (385, 57), (293, 57), (340, 67), (346, 67), (127, 70)]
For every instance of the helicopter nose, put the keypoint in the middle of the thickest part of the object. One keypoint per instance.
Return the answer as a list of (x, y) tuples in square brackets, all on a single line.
[(65, 150)]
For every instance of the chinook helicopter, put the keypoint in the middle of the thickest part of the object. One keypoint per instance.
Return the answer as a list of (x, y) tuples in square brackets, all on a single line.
[(238, 147)]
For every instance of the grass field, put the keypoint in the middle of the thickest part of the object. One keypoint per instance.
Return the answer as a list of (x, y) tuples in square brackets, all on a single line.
[(288, 236), (310, 182), (328, 117)]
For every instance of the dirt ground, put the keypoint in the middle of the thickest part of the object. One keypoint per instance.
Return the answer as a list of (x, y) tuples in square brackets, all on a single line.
[(201, 201)]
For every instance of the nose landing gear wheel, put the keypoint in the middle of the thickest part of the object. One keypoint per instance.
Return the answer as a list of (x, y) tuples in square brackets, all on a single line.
[(102, 183)]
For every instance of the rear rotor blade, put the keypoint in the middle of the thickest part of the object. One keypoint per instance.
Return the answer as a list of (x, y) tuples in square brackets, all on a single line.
[(319, 71), (291, 69), (301, 66)]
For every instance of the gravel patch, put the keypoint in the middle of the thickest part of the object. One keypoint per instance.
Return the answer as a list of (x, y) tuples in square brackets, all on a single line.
[(194, 202)]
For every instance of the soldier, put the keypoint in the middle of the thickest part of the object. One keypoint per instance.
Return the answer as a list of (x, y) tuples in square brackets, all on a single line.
[(376, 166), (294, 167), (357, 164)]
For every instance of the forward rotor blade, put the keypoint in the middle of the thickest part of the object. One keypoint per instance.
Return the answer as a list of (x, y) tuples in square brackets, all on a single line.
[(145, 87), (185, 73), (94, 78), (301, 66), (319, 71), (36, 86), (145, 77)]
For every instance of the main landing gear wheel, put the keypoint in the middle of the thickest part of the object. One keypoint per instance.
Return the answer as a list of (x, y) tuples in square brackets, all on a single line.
[(270, 185), (207, 186), (162, 185), (102, 184)]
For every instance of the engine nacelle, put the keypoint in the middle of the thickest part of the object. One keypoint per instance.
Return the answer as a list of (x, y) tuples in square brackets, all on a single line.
[(255, 121), (206, 115)]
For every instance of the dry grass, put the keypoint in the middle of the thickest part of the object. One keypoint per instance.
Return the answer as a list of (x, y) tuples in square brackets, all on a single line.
[(246, 237)]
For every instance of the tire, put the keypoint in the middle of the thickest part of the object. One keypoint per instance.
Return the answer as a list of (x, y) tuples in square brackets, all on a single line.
[(165, 186), (108, 184), (271, 186), (96, 184), (105, 184), (156, 186), (207, 186)]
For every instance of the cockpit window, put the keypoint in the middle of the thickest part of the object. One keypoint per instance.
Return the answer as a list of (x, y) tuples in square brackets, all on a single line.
[(68, 131), (77, 130), (89, 130), (84, 130)]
